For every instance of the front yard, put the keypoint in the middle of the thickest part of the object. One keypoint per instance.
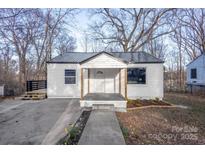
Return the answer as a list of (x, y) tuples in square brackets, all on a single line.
[(184, 124)]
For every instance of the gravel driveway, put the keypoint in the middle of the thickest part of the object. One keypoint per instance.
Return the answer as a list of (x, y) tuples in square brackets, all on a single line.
[(30, 122)]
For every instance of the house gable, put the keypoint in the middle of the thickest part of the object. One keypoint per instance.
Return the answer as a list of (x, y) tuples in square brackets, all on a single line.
[(199, 61), (199, 65), (103, 60)]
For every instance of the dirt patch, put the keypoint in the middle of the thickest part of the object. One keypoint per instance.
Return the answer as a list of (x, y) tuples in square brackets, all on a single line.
[(142, 103), (74, 132), (166, 125), (2, 98)]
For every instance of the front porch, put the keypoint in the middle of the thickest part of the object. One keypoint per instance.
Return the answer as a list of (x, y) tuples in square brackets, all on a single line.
[(105, 99), (104, 87), (103, 81)]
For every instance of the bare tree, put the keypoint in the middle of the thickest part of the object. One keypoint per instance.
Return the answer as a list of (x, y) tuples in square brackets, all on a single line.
[(4, 15), (33, 35), (189, 39), (157, 48), (7, 64), (50, 34), (18, 30), (66, 43), (192, 31), (130, 28), (84, 42)]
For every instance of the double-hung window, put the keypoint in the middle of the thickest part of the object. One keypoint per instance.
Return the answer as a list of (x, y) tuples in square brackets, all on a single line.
[(70, 76), (136, 75), (193, 73)]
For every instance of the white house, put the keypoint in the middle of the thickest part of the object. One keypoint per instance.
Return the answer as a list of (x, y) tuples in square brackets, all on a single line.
[(105, 77), (196, 72)]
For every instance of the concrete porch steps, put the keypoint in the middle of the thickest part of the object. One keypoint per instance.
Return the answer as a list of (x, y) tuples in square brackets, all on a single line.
[(109, 107)]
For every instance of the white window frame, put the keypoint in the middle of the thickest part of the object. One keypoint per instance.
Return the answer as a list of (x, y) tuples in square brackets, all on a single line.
[(70, 77)]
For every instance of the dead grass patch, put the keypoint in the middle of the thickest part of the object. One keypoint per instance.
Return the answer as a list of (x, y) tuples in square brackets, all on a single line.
[(166, 125)]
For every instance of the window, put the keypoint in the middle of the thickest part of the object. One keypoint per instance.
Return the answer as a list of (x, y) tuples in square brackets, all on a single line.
[(70, 77), (193, 73), (136, 75)]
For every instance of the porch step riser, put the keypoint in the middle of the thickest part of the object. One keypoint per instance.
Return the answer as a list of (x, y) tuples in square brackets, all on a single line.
[(117, 104), (109, 107)]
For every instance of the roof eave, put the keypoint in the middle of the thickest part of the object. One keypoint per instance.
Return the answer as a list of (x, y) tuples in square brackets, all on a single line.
[(148, 62), (62, 62)]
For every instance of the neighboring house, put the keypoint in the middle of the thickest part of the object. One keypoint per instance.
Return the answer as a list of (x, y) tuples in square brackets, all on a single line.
[(196, 73), (105, 77), (5, 91)]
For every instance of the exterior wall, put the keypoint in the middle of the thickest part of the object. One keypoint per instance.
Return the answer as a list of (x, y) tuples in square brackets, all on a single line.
[(199, 64), (154, 83), (104, 61), (152, 89), (55, 81)]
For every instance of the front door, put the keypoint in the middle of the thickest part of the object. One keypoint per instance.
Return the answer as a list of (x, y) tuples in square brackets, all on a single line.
[(100, 81)]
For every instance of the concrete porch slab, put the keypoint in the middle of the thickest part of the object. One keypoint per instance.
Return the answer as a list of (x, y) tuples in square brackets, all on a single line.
[(104, 97), (115, 99)]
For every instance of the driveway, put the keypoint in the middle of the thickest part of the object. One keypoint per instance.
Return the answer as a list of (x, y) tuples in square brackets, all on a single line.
[(36, 122)]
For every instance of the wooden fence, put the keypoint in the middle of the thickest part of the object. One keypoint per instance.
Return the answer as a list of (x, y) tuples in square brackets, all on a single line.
[(36, 85)]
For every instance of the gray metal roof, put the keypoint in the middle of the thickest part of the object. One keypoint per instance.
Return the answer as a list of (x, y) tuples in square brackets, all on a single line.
[(129, 57)]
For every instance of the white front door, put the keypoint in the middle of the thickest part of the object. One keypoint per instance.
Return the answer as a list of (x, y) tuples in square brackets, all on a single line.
[(104, 80), (100, 81)]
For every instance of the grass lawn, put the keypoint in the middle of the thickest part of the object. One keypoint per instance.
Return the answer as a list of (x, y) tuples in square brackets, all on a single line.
[(178, 125)]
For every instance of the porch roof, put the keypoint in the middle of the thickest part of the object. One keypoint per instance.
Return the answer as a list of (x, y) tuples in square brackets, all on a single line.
[(103, 60)]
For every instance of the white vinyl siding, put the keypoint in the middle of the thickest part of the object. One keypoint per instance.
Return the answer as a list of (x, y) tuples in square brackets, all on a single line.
[(110, 67), (199, 65), (56, 86), (104, 61)]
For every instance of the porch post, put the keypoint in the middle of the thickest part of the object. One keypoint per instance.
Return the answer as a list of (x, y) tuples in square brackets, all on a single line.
[(120, 81), (125, 83), (81, 83), (88, 80)]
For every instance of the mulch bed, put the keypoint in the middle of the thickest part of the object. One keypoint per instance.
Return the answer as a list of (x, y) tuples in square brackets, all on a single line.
[(74, 132), (143, 103)]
